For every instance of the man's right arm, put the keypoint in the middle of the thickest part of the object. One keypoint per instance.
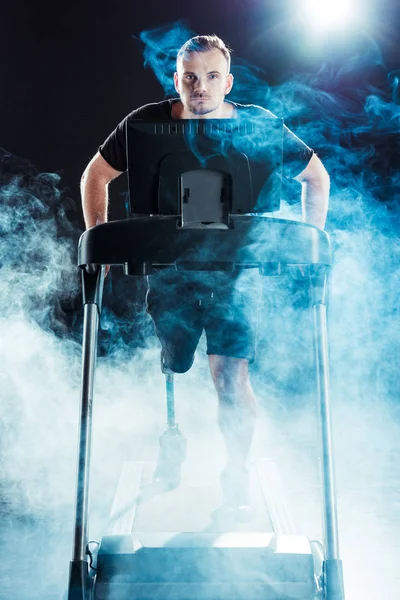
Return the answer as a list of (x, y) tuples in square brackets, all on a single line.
[(94, 190)]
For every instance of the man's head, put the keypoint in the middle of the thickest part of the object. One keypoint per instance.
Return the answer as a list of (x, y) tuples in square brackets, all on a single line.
[(203, 77)]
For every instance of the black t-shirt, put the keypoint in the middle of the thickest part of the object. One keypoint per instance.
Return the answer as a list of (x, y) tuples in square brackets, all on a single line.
[(296, 154)]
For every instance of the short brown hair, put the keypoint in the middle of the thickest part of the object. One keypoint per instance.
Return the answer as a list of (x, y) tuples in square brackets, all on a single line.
[(205, 43)]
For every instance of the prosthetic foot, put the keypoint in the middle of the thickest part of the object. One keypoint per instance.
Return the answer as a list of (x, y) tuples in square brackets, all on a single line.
[(171, 456), (172, 442)]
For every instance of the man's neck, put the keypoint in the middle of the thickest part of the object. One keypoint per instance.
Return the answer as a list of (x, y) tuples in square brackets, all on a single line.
[(227, 110)]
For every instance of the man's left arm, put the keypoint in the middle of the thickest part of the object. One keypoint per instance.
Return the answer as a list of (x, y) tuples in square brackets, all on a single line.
[(315, 193)]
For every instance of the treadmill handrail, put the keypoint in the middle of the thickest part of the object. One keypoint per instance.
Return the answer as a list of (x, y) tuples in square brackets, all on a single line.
[(159, 241)]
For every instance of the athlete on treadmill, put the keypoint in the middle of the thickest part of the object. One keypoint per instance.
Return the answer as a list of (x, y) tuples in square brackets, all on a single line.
[(183, 305)]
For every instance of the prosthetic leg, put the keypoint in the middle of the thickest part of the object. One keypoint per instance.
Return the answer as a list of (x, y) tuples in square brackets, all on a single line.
[(172, 442)]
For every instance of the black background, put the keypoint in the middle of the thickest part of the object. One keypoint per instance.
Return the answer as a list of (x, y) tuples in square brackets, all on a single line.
[(70, 70)]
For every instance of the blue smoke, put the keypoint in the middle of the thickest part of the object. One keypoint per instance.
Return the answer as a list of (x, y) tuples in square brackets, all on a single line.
[(37, 244), (40, 355), (160, 47)]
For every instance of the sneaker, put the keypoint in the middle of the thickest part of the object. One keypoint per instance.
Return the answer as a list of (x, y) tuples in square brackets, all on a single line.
[(235, 484)]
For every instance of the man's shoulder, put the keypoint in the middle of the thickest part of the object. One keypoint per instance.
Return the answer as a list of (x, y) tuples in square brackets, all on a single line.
[(253, 110), (154, 111)]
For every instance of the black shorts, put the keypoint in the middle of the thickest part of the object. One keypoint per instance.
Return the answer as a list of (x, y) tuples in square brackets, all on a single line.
[(183, 307)]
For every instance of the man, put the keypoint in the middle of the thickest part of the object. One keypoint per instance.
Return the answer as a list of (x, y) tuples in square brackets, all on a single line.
[(203, 80)]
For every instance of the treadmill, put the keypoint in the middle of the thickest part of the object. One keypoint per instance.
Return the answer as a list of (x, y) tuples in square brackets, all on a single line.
[(173, 168)]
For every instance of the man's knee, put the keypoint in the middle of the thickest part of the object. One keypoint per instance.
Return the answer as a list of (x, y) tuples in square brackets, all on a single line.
[(230, 374)]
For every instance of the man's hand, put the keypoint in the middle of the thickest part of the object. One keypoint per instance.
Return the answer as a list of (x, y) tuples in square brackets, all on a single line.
[(315, 195)]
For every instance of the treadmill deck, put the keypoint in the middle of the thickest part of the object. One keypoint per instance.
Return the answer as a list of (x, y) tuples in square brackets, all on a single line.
[(182, 545)]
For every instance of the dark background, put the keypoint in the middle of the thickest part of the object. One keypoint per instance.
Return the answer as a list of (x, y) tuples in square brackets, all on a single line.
[(71, 71)]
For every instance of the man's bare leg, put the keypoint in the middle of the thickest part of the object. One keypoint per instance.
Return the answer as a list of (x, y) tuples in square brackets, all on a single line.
[(237, 412)]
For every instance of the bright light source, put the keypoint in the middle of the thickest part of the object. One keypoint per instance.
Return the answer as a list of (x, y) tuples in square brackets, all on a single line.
[(328, 14)]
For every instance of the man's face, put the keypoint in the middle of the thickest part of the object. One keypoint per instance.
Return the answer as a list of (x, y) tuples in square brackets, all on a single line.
[(202, 81)]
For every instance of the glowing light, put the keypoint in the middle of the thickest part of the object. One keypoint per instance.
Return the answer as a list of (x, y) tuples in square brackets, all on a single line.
[(328, 14)]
